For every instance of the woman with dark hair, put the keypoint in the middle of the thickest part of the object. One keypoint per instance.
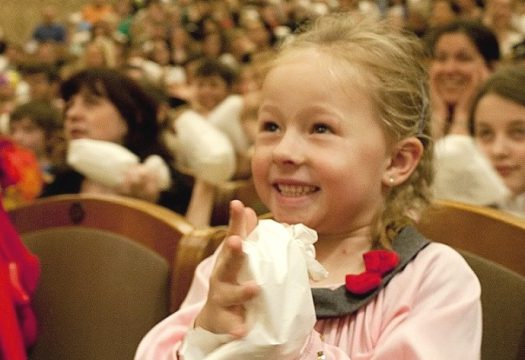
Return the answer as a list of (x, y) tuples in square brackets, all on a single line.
[(463, 54), (103, 104)]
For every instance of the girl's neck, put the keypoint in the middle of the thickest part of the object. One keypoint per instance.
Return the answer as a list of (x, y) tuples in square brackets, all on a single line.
[(358, 239), (342, 254)]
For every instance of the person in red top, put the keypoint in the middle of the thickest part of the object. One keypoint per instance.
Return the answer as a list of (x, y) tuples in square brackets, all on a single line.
[(19, 274)]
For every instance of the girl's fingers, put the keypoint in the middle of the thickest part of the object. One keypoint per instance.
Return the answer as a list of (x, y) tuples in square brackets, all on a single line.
[(230, 260), (237, 223), (225, 309), (251, 219), (242, 219), (235, 296)]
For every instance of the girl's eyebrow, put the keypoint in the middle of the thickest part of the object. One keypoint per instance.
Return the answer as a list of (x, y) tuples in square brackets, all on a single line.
[(268, 107), (517, 122)]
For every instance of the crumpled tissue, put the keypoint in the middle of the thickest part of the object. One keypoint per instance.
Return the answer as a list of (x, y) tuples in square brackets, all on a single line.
[(463, 173), (281, 259), (203, 148), (106, 162)]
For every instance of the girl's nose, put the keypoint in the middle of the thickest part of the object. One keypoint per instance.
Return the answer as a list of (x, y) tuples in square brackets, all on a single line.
[(500, 146), (289, 149)]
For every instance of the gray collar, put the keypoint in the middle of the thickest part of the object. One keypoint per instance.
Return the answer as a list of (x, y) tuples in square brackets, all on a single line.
[(331, 303)]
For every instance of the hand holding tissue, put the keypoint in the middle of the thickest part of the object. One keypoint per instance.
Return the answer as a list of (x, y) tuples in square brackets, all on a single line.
[(281, 259), (106, 162)]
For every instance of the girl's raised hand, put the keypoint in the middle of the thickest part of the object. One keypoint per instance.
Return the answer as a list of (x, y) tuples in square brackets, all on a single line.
[(224, 311)]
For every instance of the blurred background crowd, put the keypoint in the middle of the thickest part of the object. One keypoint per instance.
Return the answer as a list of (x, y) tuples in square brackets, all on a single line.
[(198, 63)]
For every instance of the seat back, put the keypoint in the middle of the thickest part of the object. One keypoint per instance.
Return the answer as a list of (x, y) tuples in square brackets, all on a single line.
[(98, 295), (487, 232), (152, 226), (194, 248), (503, 304), (107, 272)]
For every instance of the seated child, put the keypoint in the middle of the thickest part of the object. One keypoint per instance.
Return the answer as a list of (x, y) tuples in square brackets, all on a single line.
[(44, 82), (497, 121), (342, 147), (37, 126), (20, 175)]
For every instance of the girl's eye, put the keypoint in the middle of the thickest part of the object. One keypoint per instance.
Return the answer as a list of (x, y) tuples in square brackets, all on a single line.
[(518, 133), (321, 129), (484, 135), (269, 126)]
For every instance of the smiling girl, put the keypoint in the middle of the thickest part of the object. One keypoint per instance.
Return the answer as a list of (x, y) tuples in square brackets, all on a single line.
[(342, 147), (497, 122)]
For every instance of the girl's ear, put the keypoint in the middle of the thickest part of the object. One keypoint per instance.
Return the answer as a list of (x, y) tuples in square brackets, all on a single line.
[(404, 159)]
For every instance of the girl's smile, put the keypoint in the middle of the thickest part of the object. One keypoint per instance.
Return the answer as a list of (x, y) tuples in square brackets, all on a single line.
[(295, 190)]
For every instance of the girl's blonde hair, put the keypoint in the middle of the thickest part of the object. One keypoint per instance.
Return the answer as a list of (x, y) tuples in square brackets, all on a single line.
[(391, 71)]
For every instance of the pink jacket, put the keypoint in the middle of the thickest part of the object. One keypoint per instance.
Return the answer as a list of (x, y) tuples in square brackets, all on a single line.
[(430, 310)]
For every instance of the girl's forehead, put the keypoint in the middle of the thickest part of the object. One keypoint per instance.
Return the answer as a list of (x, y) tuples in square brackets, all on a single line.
[(304, 54), (336, 68), (310, 69)]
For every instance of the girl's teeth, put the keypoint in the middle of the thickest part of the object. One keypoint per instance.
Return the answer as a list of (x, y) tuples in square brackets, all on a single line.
[(294, 190)]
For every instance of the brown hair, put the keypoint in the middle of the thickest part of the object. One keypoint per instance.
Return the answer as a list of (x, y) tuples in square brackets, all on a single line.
[(392, 72), (506, 82)]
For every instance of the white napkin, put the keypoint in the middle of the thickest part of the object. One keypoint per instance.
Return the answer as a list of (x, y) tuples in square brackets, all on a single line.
[(280, 259), (106, 162), (515, 205), (463, 173), (226, 117), (204, 149)]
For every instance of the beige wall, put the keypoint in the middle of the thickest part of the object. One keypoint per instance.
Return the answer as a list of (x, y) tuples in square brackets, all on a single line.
[(18, 17)]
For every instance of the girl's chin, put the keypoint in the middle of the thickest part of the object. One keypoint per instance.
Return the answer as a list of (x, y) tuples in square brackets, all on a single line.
[(289, 217)]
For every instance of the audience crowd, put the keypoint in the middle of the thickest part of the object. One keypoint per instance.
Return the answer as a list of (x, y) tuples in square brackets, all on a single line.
[(201, 63)]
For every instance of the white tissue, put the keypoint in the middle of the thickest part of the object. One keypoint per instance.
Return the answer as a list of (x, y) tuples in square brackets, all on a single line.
[(204, 149), (282, 316), (226, 117), (158, 166), (106, 162), (463, 173), (102, 161)]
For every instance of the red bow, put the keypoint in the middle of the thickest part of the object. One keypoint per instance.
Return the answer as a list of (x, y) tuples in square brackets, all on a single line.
[(377, 264)]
